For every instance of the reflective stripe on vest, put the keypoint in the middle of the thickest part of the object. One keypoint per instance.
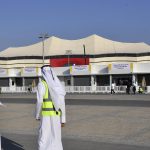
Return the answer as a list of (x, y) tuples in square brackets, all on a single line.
[(47, 105)]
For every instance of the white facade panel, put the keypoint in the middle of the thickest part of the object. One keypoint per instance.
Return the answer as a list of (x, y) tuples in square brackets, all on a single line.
[(62, 71), (141, 68), (99, 69)]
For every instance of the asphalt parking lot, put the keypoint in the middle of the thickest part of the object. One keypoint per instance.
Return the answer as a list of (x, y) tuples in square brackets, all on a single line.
[(107, 122)]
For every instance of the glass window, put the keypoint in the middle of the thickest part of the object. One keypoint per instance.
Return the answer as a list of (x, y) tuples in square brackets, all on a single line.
[(4, 82)]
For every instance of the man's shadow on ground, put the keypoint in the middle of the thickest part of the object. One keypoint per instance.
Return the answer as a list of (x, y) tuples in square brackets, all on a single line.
[(8, 144)]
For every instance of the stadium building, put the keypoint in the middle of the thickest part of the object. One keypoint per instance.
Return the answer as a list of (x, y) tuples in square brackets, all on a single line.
[(89, 64)]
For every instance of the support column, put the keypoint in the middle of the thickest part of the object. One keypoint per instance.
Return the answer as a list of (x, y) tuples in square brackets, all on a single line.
[(10, 82), (110, 77), (72, 80), (93, 82), (23, 81), (134, 79)]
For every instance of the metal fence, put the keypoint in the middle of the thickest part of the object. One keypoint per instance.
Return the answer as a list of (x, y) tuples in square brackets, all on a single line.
[(94, 89), (72, 89), (24, 89)]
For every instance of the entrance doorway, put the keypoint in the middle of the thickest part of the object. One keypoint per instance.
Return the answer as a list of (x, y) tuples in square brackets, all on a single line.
[(122, 80)]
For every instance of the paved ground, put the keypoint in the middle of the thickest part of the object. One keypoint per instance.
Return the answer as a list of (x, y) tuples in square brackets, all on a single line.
[(28, 142), (107, 122)]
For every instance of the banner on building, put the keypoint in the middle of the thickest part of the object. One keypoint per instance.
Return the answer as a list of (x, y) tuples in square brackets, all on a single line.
[(3, 72), (17, 72), (14, 72), (120, 68), (80, 70), (29, 71)]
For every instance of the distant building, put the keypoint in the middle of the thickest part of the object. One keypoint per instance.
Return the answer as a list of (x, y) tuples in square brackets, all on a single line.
[(104, 61)]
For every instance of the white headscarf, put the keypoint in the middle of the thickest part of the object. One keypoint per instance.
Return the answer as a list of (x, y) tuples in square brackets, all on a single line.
[(1, 104), (56, 89)]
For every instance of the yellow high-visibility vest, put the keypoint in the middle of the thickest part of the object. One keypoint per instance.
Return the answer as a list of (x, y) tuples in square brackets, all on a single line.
[(141, 89), (48, 108)]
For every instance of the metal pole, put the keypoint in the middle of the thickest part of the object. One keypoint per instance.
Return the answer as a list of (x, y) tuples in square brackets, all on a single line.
[(43, 50), (68, 52), (84, 54), (68, 61), (43, 37)]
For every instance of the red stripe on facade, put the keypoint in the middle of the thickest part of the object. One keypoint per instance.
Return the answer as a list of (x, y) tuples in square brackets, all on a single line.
[(60, 62)]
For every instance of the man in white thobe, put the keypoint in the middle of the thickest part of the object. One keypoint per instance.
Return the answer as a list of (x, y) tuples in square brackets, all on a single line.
[(50, 125), (0, 134), (1, 104)]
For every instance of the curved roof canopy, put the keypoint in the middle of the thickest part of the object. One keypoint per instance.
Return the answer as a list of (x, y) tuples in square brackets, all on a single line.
[(94, 45)]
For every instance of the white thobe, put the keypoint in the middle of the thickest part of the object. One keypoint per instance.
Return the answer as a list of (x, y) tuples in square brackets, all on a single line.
[(56, 89), (1, 104), (0, 134), (50, 126), (0, 141)]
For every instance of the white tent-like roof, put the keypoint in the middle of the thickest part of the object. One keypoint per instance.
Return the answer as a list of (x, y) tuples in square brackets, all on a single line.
[(94, 45)]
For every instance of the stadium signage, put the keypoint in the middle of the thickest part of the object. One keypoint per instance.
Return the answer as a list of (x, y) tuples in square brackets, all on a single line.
[(81, 69), (3, 71), (29, 71), (120, 68)]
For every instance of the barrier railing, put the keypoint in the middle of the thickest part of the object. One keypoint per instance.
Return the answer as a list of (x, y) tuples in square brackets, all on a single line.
[(24, 89), (72, 89), (94, 89)]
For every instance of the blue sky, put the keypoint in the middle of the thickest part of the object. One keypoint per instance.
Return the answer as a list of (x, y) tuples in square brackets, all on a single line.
[(21, 21)]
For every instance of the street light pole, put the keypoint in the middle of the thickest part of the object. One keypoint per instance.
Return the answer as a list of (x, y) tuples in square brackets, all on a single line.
[(84, 54), (68, 52), (68, 61), (43, 37)]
